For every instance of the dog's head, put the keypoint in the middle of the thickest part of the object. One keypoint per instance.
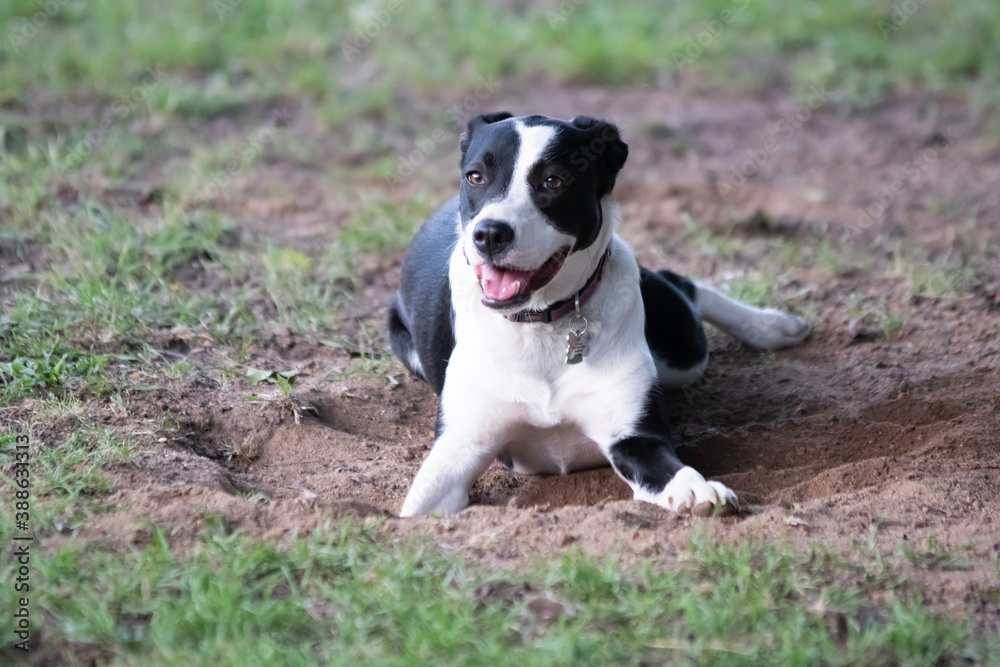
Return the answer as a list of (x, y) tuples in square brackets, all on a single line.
[(533, 197)]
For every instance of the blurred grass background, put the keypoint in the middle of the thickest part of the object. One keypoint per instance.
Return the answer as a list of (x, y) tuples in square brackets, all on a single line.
[(229, 51)]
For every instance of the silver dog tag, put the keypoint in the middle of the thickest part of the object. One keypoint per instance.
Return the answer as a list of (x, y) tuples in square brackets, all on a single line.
[(577, 339), (576, 346)]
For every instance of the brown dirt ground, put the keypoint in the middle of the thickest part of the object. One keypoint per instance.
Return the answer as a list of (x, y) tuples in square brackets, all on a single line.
[(844, 438)]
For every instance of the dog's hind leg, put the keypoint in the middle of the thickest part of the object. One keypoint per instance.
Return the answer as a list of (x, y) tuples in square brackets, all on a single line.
[(673, 328), (401, 339), (762, 328)]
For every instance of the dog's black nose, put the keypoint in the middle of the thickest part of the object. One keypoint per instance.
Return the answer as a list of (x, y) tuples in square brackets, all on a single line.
[(492, 237)]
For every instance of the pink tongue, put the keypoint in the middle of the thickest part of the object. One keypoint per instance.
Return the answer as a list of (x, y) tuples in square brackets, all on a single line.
[(502, 284)]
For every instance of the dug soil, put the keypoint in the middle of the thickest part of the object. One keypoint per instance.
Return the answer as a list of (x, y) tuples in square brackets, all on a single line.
[(882, 429)]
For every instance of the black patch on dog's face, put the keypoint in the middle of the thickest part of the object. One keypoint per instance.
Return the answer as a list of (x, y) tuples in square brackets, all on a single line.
[(489, 147), (583, 159)]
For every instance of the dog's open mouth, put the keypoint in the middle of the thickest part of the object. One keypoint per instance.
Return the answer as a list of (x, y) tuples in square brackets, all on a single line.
[(504, 287)]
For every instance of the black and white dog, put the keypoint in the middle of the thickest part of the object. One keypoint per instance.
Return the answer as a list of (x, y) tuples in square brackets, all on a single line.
[(548, 344)]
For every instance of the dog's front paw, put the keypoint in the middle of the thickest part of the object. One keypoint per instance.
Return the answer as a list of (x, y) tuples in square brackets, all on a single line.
[(421, 500), (689, 493)]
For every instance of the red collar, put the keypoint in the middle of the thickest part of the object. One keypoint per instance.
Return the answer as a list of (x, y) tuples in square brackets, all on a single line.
[(561, 309)]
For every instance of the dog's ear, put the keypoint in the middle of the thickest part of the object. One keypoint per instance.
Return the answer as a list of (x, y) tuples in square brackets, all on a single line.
[(606, 146), (476, 123)]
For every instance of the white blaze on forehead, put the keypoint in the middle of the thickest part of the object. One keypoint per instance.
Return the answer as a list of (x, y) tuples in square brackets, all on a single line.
[(534, 140), (535, 238)]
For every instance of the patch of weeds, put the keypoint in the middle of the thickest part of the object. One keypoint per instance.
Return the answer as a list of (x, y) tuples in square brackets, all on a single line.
[(24, 376), (932, 555), (283, 379), (112, 276), (378, 229), (24, 179), (287, 271), (889, 322), (370, 357), (759, 288), (282, 289), (754, 288), (839, 259), (119, 404), (283, 400), (253, 497), (380, 364), (856, 309), (179, 369), (941, 278), (787, 254), (169, 422), (704, 241)]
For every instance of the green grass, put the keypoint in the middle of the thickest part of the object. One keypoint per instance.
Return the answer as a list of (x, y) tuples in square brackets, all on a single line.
[(24, 376), (118, 277), (349, 595)]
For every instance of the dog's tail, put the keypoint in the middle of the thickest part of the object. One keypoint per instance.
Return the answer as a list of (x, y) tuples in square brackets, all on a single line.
[(401, 339)]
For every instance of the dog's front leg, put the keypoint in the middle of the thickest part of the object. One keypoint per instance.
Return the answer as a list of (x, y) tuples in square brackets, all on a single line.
[(651, 467), (464, 448), (636, 440)]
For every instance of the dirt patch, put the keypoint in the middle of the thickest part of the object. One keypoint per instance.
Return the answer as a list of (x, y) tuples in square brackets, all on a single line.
[(909, 412), (843, 440)]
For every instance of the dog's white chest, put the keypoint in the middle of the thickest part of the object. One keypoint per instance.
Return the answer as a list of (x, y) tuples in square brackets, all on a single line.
[(512, 379)]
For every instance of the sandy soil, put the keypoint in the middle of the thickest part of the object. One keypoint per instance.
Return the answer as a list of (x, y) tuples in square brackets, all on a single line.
[(845, 439)]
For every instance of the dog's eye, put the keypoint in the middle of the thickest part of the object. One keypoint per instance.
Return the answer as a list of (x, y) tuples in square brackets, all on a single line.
[(474, 177), (552, 183)]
